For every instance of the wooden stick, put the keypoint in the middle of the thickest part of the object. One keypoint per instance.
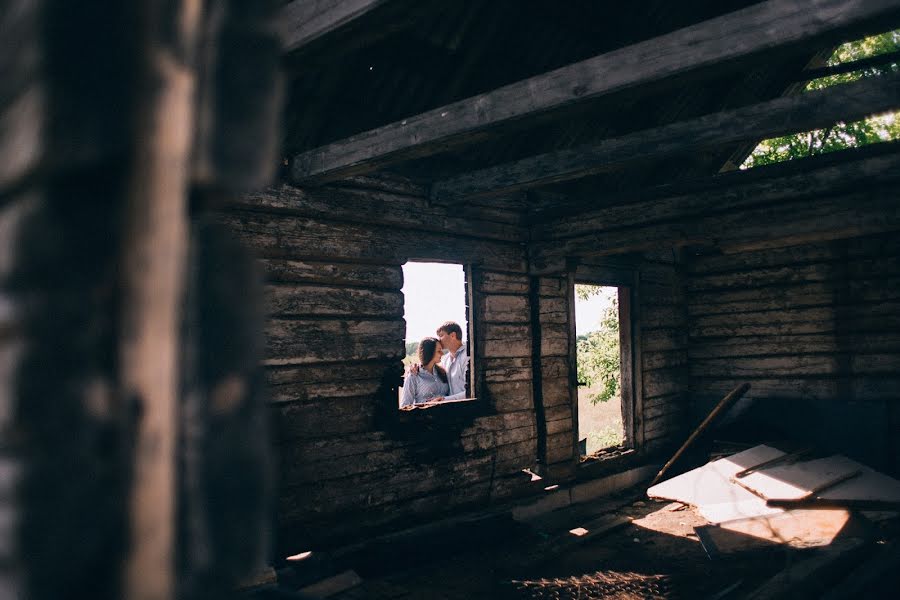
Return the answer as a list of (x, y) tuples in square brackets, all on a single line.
[(831, 483), (723, 405), (771, 462)]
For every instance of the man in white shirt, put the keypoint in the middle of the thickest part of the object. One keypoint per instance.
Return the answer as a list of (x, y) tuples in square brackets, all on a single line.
[(455, 360)]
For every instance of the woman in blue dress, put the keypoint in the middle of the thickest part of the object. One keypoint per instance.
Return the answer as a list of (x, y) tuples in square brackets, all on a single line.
[(430, 383)]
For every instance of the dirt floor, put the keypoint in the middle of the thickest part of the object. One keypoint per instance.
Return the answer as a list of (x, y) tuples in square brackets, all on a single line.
[(652, 553)]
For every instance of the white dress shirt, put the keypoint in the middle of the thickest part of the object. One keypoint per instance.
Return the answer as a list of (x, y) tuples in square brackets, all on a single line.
[(457, 365)]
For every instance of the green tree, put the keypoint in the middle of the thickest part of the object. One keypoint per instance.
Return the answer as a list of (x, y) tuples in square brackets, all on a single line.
[(879, 128), (598, 351)]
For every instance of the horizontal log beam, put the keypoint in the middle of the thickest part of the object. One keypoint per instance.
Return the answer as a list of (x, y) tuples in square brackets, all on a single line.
[(741, 34), (371, 207), (748, 228), (777, 117), (817, 176), (304, 21), (878, 61)]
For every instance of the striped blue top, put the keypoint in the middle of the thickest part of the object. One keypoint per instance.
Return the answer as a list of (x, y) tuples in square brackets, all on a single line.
[(422, 387)]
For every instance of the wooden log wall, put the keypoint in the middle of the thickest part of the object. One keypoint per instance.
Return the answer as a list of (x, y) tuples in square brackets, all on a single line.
[(815, 329), (349, 460), (658, 337), (662, 411), (558, 403)]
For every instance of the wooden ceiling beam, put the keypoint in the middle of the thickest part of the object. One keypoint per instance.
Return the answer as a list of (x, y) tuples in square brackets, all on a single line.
[(782, 116), (741, 34), (304, 21)]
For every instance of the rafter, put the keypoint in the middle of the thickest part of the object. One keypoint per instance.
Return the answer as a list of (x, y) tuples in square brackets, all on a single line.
[(741, 34), (777, 117)]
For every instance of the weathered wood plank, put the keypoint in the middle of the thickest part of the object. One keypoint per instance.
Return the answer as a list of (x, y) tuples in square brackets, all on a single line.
[(323, 392), (554, 366), (863, 247), (663, 382), (561, 412), (560, 447), (368, 206), (555, 339), (303, 21), (797, 365), (845, 389), (663, 426), (511, 396), (338, 416), (663, 339), (490, 282), (499, 375), (307, 341), (325, 373), (745, 33), (505, 308), (553, 310), (372, 490), (285, 236), (653, 316), (795, 296), (308, 300), (343, 274), (729, 192), (664, 359), (845, 269), (782, 116), (786, 344), (552, 286), (875, 317), (555, 391), (783, 224)]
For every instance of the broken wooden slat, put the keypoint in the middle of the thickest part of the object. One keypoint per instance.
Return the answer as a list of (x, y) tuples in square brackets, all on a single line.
[(720, 409), (801, 480), (777, 117)]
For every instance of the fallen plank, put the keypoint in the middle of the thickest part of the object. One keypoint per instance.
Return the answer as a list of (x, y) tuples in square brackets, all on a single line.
[(809, 577)]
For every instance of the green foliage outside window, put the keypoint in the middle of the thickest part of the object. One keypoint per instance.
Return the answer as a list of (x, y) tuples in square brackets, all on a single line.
[(879, 128), (598, 351)]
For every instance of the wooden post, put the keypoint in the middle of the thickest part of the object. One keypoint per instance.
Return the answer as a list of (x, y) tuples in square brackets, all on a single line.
[(153, 254), (723, 405)]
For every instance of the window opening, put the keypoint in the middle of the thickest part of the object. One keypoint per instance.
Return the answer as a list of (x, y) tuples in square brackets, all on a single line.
[(435, 294), (598, 354), (840, 136)]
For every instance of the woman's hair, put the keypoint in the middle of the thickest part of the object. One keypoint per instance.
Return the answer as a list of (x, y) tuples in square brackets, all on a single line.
[(426, 352)]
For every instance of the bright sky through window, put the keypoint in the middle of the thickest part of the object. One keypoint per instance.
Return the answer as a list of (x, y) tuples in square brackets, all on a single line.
[(433, 293), (588, 312)]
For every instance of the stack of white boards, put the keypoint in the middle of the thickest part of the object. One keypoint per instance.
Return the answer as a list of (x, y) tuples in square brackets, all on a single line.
[(739, 505)]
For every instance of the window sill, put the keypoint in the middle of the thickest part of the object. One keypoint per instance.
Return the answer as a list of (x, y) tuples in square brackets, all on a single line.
[(612, 461), (452, 413)]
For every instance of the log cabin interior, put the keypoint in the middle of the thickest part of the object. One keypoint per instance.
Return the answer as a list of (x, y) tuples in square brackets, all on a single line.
[(538, 145)]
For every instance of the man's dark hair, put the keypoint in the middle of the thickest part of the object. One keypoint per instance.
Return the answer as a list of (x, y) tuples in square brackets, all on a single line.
[(451, 327)]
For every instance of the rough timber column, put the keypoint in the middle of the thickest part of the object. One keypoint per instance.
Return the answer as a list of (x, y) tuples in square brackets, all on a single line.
[(153, 253)]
